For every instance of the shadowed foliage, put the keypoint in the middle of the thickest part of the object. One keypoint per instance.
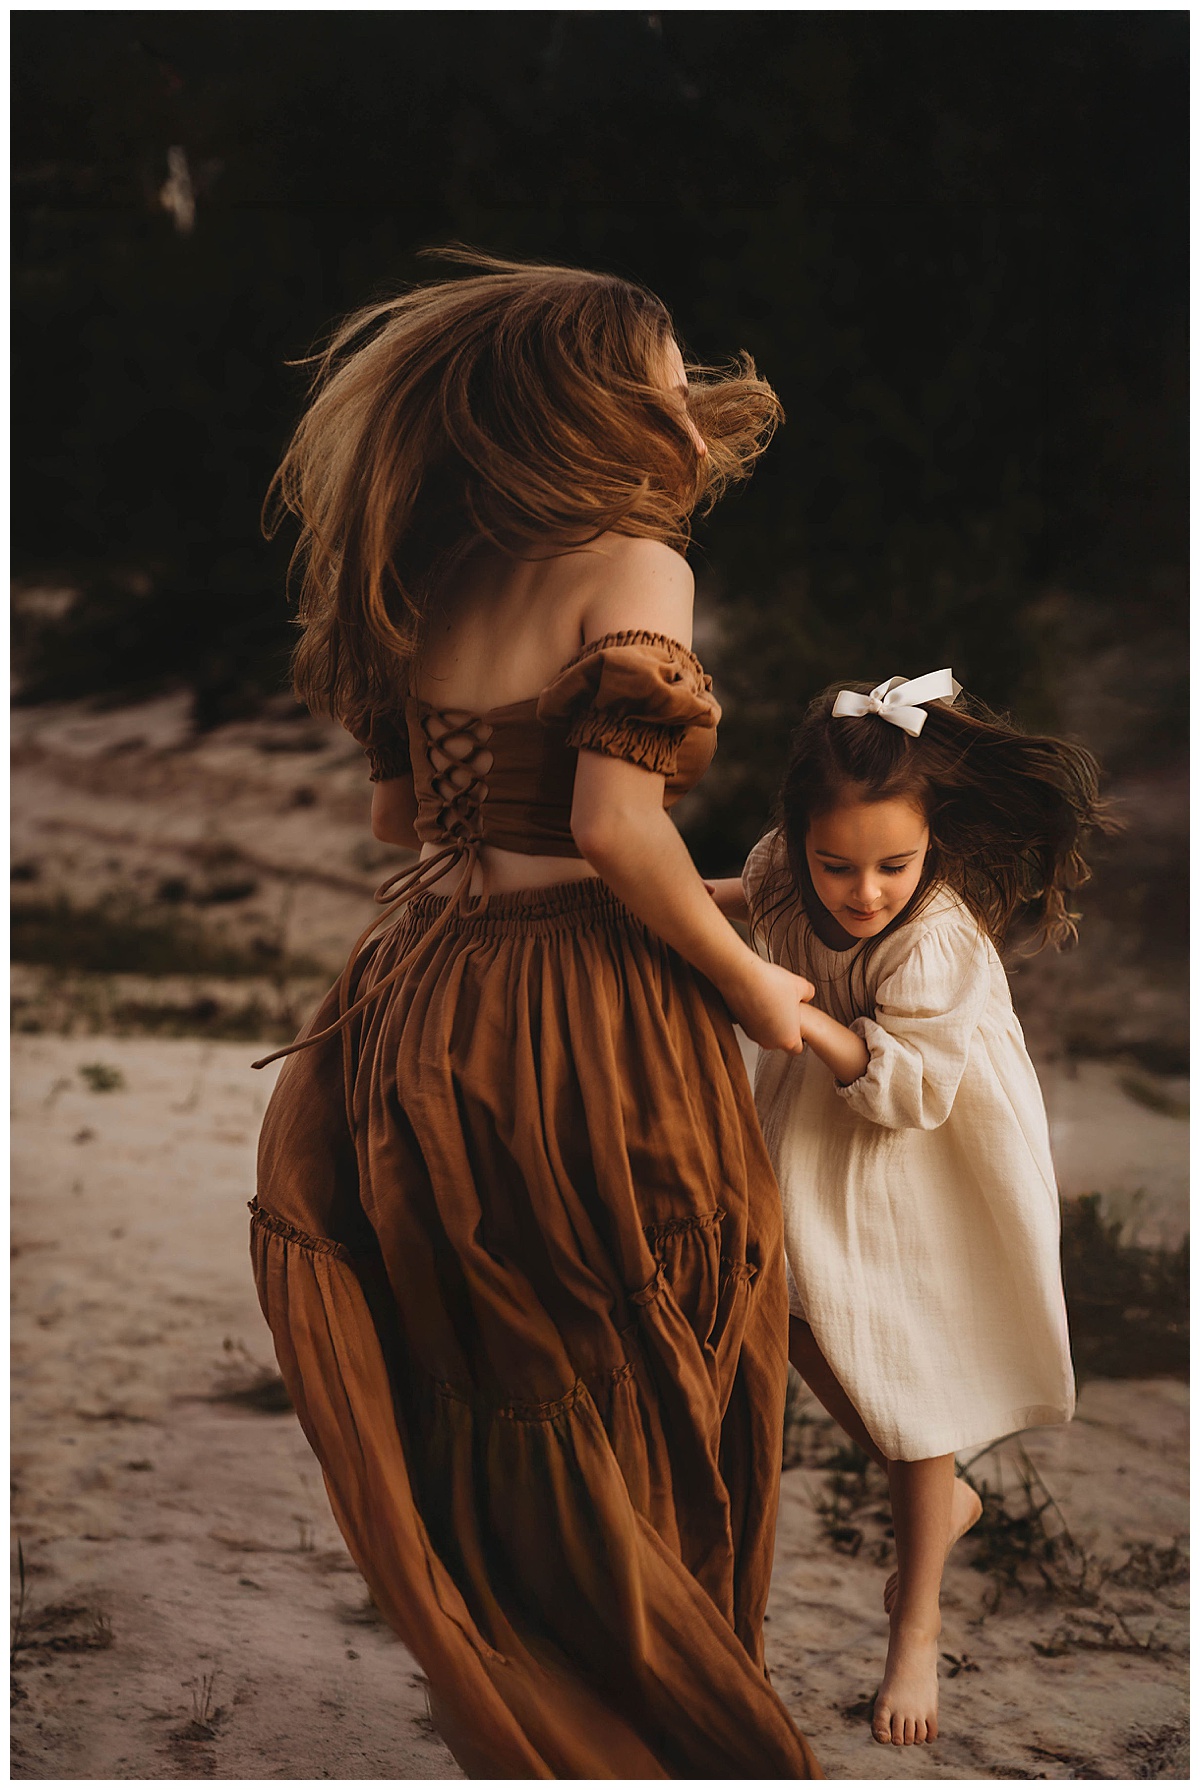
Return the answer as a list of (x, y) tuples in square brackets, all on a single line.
[(1128, 1306), (956, 243)]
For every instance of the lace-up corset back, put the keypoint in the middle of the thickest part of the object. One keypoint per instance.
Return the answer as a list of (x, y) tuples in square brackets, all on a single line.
[(456, 763), (506, 777)]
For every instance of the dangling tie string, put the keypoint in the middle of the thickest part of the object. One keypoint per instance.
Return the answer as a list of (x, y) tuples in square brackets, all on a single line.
[(458, 780), (392, 894)]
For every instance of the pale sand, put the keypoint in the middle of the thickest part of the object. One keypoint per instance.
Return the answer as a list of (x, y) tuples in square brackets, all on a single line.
[(199, 1531)]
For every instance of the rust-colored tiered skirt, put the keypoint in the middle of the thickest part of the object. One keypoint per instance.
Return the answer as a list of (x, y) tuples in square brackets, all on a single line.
[(528, 1297)]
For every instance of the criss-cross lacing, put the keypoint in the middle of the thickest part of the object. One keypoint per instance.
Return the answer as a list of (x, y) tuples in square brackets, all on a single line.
[(456, 748)]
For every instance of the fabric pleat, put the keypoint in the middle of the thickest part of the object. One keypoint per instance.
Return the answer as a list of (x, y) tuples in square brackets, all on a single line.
[(528, 1297)]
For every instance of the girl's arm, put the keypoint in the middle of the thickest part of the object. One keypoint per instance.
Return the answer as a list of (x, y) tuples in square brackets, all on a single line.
[(838, 1047), (926, 1014), (730, 897), (623, 831)]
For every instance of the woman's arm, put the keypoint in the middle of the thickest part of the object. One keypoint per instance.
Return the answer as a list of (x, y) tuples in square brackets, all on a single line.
[(622, 829), (394, 812)]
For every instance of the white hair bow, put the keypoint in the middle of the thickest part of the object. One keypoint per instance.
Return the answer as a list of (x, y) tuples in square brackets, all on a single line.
[(897, 699)]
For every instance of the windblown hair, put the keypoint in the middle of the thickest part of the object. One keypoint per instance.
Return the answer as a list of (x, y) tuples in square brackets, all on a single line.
[(1008, 813), (520, 407)]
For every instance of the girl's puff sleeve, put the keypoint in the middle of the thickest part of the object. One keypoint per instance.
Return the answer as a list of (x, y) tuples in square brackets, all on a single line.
[(926, 1013), (760, 867), (634, 697)]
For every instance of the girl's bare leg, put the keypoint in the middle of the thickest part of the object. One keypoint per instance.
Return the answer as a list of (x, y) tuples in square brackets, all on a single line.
[(817, 1374), (965, 1511), (931, 1509), (906, 1705), (808, 1361)]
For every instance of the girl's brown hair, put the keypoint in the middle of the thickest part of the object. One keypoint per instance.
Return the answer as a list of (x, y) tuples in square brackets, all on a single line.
[(517, 407), (1008, 812)]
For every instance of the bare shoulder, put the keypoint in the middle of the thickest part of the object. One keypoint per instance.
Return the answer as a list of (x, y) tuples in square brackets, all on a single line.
[(638, 584)]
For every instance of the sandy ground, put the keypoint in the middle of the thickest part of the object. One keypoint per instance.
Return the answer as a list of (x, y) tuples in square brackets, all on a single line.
[(189, 1609), (191, 1613)]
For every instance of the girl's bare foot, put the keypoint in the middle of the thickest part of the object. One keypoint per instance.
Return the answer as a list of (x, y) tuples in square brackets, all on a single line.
[(906, 1705), (965, 1512)]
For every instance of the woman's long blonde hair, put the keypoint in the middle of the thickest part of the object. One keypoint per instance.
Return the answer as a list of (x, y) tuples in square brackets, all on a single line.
[(517, 407)]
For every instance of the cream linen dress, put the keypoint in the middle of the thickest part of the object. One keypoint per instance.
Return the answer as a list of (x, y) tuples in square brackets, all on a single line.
[(920, 1207)]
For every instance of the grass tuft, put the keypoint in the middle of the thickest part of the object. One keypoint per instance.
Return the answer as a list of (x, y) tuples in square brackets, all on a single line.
[(1022, 1540), (116, 936), (247, 1382), (102, 1078)]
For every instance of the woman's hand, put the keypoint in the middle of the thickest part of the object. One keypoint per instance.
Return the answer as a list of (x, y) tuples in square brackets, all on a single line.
[(768, 1003)]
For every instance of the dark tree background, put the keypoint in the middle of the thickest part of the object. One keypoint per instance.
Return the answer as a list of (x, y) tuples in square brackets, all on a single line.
[(955, 242)]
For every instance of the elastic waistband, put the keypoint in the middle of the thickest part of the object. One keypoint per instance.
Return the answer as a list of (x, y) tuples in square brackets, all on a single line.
[(555, 907)]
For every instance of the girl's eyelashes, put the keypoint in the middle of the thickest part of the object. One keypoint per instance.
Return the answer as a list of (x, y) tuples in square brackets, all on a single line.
[(841, 869)]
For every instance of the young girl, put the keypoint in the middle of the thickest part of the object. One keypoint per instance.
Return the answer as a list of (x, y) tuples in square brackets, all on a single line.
[(910, 1140)]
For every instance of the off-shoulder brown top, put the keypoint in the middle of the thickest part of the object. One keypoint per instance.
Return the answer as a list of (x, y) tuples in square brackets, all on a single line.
[(505, 778)]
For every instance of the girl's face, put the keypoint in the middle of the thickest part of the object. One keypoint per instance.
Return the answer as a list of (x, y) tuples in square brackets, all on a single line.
[(674, 380), (865, 860)]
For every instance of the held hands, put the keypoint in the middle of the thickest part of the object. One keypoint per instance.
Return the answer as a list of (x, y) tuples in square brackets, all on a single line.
[(768, 1004)]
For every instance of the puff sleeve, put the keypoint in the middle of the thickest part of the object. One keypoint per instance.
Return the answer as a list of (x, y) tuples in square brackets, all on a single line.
[(758, 867), (927, 1011), (633, 696), (383, 736)]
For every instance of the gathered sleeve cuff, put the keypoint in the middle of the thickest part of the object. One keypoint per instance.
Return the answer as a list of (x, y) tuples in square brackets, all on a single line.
[(383, 736), (926, 1014), (634, 696)]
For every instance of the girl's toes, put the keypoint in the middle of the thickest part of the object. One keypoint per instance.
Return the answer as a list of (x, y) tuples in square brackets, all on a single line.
[(889, 1592), (910, 1731), (881, 1725)]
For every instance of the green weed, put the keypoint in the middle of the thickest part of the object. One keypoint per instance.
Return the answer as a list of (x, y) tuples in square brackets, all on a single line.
[(102, 1078), (115, 936)]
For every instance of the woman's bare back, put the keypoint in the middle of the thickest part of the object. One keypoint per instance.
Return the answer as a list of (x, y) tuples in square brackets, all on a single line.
[(507, 627)]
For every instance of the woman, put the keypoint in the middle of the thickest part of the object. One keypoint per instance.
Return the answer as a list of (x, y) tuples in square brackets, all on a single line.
[(516, 1235)]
